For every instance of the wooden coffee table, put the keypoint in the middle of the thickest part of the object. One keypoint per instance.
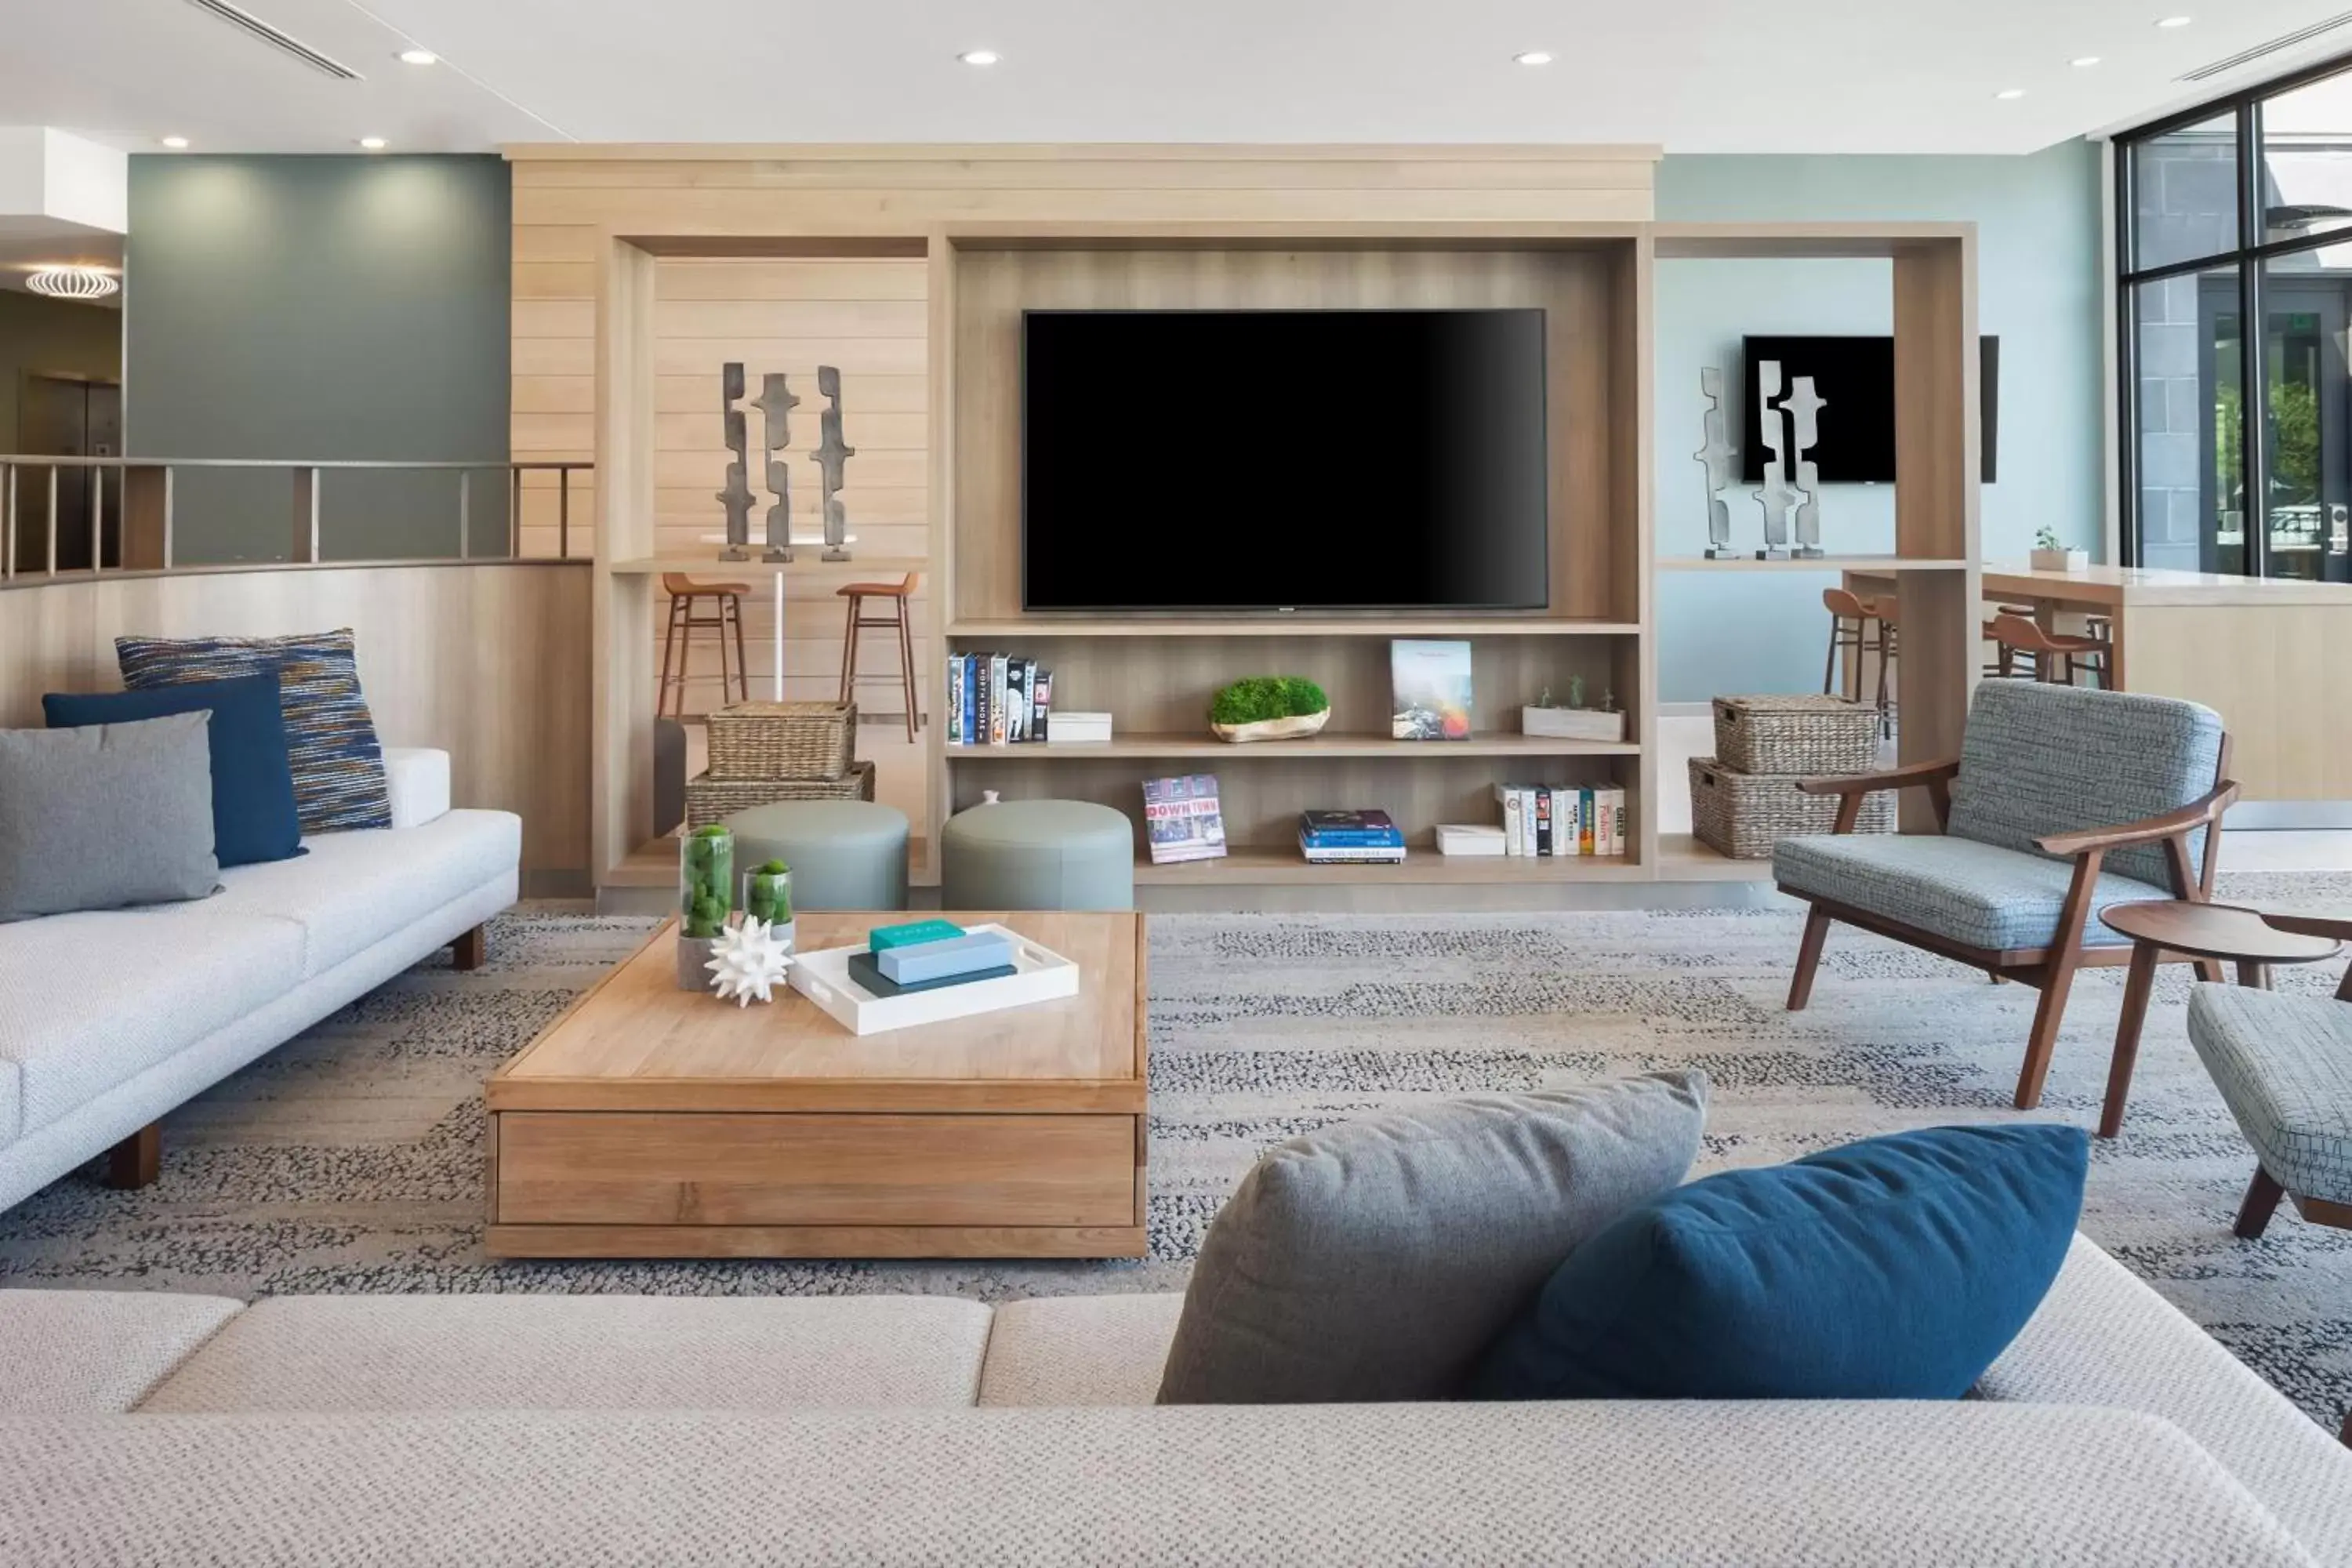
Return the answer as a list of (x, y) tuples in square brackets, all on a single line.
[(649, 1121)]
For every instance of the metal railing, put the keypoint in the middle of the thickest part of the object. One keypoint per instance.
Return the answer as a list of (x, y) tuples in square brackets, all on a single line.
[(145, 508)]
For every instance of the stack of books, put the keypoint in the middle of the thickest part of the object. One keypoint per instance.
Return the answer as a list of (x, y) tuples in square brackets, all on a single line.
[(1350, 839), (997, 699), (1556, 819), (925, 955)]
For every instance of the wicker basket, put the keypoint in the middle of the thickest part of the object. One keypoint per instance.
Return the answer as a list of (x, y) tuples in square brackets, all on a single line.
[(1744, 815), (709, 800), (1807, 736), (759, 741)]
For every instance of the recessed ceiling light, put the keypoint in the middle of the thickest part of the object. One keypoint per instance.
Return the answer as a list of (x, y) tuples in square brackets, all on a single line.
[(979, 56), (1534, 57), (2175, 21), (2007, 93), (2084, 62), (175, 142), (418, 57), (372, 143)]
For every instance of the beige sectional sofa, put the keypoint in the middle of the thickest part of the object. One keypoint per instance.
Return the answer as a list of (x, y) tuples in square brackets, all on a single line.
[(590, 1430)]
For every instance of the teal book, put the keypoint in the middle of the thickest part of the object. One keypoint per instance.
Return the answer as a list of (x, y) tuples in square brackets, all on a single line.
[(884, 938)]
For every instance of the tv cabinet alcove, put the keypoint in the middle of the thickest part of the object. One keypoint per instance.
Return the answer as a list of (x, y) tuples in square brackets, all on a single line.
[(998, 230)]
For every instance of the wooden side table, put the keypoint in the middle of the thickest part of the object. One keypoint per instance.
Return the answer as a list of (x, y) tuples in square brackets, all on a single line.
[(2220, 932)]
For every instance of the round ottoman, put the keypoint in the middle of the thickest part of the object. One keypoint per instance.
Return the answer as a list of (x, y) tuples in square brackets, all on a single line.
[(1037, 855), (843, 854)]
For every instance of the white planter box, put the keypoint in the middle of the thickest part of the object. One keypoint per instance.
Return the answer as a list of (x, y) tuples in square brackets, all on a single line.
[(2061, 560), (1573, 723), (823, 978)]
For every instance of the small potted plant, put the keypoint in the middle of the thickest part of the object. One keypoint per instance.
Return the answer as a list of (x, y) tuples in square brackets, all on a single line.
[(1269, 707), (706, 881), (1574, 722), (768, 895), (2049, 555)]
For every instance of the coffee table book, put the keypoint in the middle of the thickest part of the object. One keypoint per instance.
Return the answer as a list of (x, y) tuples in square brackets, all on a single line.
[(648, 1121), (824, 977)]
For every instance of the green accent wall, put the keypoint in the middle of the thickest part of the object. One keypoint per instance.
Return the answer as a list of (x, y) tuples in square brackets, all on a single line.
[(321, 307), (2039, 290), (53, 337)]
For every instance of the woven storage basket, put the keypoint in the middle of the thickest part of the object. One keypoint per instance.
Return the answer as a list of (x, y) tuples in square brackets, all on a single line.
[(1810, 736), (1744, 815), (709, 800), (759, 741)]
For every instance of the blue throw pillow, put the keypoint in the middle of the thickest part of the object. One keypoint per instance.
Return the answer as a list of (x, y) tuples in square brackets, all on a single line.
[(1896, 1268), (253, 777)]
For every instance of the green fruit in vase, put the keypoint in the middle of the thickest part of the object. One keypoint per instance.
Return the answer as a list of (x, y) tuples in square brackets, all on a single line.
[(768, 893), (706, 881)]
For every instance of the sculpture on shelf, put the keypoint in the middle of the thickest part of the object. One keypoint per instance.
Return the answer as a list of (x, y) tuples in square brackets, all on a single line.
[(746, 960), (736, 497), (1776, 497), (1716, 455), (1803, 407), (776, 401), (832, 452)]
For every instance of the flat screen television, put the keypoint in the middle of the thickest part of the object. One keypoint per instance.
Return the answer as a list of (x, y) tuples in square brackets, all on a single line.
[(1855, 377), (1283, 459)]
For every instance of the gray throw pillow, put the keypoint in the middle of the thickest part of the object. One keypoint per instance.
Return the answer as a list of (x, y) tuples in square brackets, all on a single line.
[(105, 816), (1376, 1260)]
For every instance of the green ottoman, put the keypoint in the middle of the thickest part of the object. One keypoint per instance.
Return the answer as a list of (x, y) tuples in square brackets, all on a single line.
[(1037, 855), (843, 854)]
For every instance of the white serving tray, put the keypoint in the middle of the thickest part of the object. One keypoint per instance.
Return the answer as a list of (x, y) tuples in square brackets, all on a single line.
[(1043, 975)]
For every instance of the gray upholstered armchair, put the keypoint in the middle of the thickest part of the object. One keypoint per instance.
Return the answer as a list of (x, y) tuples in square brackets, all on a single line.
[(2061, 801)]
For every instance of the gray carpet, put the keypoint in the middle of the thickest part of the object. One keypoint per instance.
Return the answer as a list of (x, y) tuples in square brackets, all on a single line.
[(350, 1160)]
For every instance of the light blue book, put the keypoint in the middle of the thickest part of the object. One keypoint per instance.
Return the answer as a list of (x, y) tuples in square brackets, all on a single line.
[(940, 959)]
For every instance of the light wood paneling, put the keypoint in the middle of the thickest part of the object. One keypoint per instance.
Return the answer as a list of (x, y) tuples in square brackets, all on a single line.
[(622, 698), (483, 661)]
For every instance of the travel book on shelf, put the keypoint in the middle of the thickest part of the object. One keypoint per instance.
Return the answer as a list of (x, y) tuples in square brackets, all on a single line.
[(1181, 819), (1561, 819), (997, 699), (1429, 684)]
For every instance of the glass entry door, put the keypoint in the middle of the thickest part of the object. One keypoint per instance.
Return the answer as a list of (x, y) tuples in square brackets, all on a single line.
[(2305, 430)]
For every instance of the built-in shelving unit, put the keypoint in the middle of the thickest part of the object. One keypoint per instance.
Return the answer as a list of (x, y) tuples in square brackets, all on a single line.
[(1000, 230)]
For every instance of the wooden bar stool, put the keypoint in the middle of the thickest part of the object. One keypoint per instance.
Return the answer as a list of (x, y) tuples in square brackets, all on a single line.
[(2004, 662), (1890, 649), (2059, 658), (1850, 615), (901, 619), (685, 593)]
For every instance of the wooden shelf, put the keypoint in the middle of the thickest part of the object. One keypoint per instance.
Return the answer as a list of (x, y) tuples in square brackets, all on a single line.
[(1264, 864), (1683, 859), (1323, 746), (1383, 628), (1816, 563)]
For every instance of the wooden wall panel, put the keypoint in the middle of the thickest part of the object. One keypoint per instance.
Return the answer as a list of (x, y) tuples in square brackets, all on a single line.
[(489, 662)]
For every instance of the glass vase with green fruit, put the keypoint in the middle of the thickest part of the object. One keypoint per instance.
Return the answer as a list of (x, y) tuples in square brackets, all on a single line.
[(768, 893), (706, 882)]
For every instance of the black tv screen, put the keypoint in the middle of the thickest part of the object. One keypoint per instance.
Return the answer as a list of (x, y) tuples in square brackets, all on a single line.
[(1283, 459), (1854, 378)]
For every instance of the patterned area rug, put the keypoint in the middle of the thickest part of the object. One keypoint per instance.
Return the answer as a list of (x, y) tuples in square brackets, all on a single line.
[(351, 1158)]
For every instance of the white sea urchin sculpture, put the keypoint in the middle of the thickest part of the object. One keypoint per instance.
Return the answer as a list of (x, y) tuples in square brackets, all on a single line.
[(747, 961)]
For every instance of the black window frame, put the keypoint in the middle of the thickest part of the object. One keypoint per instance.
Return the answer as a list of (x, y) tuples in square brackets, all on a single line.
[(2249, 257)]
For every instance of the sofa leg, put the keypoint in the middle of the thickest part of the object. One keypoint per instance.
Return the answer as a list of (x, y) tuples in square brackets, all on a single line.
[(472, 950), (1808, 958), (2263, 1196), (138, 1159), (2043, 1042)]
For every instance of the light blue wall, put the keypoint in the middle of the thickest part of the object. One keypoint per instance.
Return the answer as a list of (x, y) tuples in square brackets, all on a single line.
[(2039, 287)]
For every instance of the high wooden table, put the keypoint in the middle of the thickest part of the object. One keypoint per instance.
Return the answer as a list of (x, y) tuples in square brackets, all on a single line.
[(649, 1121), (2272, 656)]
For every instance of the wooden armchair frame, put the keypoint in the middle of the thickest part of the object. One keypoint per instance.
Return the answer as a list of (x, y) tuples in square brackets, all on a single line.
[(2051, 969)]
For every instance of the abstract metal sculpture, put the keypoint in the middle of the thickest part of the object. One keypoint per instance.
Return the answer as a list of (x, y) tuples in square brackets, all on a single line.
[(1803, 405), (1715, 455), (776, 401), (832, 452), (1776, 497), (736, 498)]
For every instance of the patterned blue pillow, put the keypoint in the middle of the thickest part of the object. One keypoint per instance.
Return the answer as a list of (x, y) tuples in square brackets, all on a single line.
[(339, 778)]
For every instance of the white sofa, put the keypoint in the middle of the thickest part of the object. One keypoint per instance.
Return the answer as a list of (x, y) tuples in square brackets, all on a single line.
[(590, 1430), (109, 1019)]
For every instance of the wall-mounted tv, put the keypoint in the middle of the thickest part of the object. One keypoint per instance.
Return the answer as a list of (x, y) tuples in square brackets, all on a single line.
[(1855, 377), (1283, 459)]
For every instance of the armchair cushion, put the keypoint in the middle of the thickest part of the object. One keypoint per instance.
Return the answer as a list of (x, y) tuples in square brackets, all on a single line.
[(2038, 760), (2285, 1065), (1957, 888)]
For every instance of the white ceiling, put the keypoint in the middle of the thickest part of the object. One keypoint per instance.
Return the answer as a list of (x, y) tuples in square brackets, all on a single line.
[(1701, 76)]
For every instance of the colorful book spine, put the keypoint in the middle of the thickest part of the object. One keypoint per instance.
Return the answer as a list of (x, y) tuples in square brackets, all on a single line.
[(999, 696), (1041, 697), (1016, 701), (881, 939), (1584, 823), (1510, 799), (1545, 828)]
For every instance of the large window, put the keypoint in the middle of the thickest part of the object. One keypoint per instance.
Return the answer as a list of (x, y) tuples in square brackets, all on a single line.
[(2238, 445)]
